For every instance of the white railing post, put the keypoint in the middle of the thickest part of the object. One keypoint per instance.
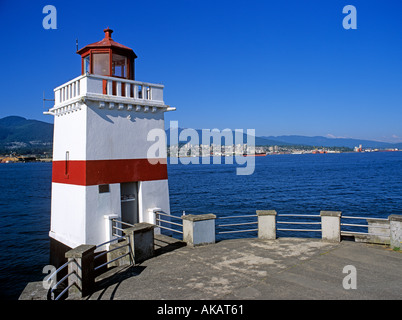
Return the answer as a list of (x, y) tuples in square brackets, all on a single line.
[(135, 91), (118, 88), (143, 92), (109, 87), (199, 229), (395, 225), (128, 87), (331, 225), (266, 224)]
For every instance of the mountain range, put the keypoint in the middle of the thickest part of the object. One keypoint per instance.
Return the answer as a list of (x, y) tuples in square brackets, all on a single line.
[(25, 136), (33, 136), (333, 142), (316, 141)]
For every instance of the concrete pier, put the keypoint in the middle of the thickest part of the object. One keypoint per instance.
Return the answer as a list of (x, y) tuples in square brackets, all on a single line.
[(255, 268), (284, 268)]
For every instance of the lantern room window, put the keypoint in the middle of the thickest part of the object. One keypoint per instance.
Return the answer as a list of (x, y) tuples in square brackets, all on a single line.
[(119, 66), (86, 64), (100, 64)]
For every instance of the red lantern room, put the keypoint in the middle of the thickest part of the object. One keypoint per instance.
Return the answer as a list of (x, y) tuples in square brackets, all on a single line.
[(108, 58)]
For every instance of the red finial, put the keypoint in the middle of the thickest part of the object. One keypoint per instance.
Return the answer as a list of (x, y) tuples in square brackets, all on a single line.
[(108, 33)]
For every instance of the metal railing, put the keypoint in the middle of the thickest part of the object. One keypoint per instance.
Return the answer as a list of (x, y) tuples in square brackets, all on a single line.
[(118, 231), (308, 216), (51, 292), (236, 224), (359, 225), (127, 239), (128, 244), (159, 220)]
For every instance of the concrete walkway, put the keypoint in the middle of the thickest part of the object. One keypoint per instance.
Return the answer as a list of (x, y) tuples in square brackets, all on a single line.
[(286, 268)]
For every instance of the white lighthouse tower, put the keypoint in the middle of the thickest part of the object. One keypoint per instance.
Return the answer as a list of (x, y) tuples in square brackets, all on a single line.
[(100, 165)]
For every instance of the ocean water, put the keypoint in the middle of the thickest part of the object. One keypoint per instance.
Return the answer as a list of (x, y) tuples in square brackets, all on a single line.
[(25, 221), (358, 184)]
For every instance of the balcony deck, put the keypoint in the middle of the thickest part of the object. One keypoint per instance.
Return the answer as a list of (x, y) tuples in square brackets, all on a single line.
[(108, 92)]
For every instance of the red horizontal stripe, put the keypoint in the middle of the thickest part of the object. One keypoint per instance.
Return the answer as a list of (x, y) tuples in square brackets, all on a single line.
[(95, 172)]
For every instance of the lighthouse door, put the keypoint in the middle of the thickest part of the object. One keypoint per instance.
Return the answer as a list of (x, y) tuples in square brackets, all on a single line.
[(129, 202)]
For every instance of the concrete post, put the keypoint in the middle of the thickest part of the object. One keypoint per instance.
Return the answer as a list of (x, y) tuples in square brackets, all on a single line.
[(395, 225), (380, 228), (266, 224), (82, 263), (331, 225), (199, 229), (141, 240)]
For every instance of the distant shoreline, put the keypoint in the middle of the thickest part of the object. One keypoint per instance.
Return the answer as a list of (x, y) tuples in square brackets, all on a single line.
[(21, 159)]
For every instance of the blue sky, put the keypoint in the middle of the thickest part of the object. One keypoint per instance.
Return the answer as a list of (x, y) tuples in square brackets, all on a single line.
[(279, 67)]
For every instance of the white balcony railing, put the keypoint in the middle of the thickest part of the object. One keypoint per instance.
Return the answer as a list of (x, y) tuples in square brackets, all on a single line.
[(110, 90)]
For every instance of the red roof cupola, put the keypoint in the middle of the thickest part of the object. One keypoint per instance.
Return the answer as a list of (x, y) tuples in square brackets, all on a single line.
[(108, 58)]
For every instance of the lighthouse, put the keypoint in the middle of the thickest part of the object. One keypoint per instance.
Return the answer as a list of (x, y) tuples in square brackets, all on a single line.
[(100, 165)]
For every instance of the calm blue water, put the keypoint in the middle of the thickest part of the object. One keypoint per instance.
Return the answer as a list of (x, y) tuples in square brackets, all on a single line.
[(368, 184)]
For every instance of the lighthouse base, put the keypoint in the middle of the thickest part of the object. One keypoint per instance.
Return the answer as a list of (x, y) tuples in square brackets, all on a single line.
[(57, 252)]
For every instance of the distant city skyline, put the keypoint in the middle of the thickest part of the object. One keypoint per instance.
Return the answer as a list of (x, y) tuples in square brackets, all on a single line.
[(287, 68)]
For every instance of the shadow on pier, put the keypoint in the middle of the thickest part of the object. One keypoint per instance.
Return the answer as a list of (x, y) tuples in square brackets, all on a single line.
[(109, 282)]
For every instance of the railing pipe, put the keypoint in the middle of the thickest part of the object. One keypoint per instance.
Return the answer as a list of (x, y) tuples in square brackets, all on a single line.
[(110, 250), (170, 222), (110, 261), (112, 240), (62, 280), (163, 227), (58, 270), (237, 231), (363, 218), (363, 225), (236, 224), (242, 216), (307, 230), (64, 291), (168, 215), (292, 222), (299, 215)]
